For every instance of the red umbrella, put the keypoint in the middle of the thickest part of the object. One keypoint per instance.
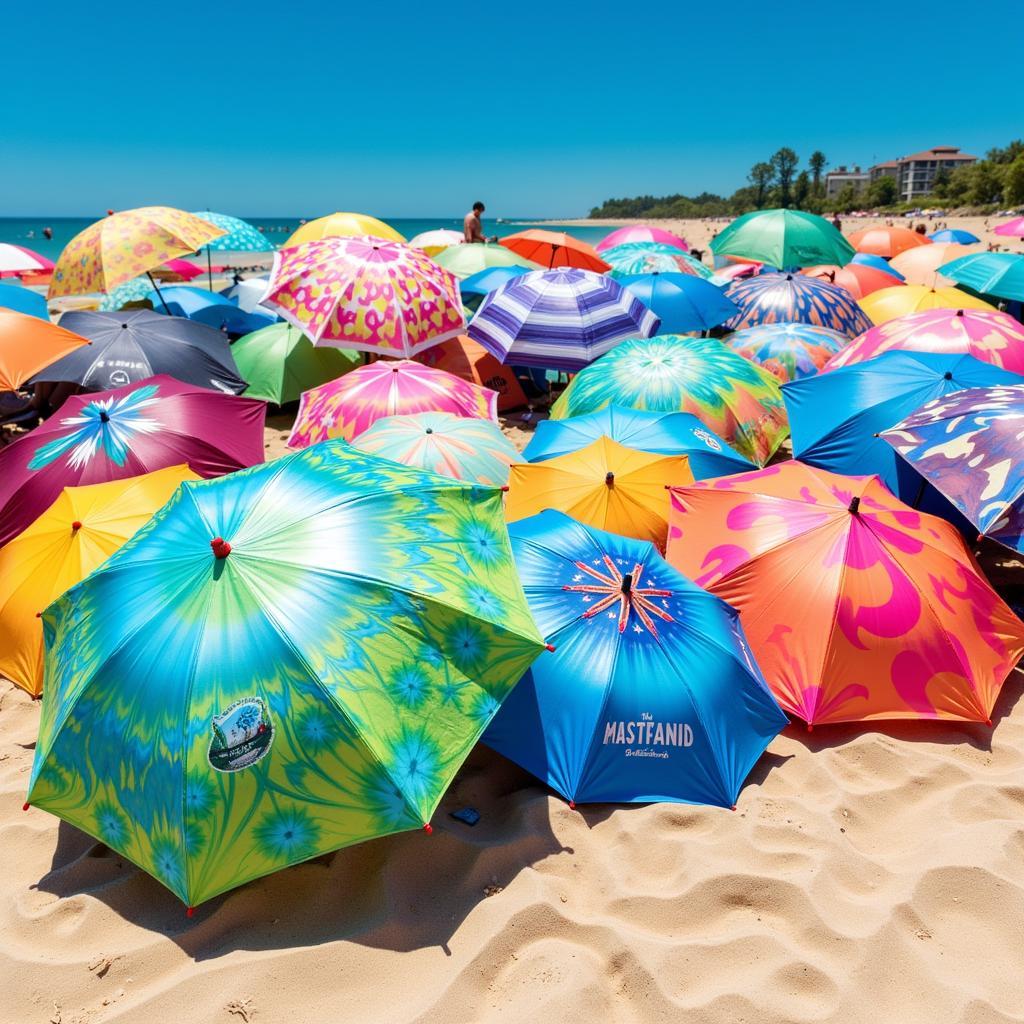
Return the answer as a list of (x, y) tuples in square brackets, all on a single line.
[(555, 249)]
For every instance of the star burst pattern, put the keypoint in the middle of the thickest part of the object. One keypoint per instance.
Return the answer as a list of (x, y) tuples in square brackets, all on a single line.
[(614, 587)]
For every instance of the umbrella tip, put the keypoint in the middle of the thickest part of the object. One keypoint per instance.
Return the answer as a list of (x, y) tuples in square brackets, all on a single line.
[(430, 430), (948, 375), (76, 525), (550, 647), (428, 828), (221, 548), (572, 805), (988, 722), (733, 808), (190, 911), (959, 312), (24, 806), (104, 416), (124, 326), (609, 478), (810, 727), (854, 505), (627, 583)]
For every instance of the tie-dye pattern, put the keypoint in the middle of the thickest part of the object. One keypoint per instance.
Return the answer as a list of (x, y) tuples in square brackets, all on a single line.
[(787, 351)]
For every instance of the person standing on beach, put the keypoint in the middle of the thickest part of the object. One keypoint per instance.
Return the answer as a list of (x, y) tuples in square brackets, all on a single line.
[(472, 228)]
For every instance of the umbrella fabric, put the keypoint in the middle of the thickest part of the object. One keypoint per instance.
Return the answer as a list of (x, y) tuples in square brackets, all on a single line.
[(835, 417), (867, 259), (433, 242), (210, 308), (247, 294), (724, 276), (1011, 228), (643, 659), (605, 485), (682, 302), (889, 303), (854, 604), (130, 346), (464, 358), (632, 258), (239, 235), (366, 294), (134, 292), (16, 260), (140, 428), (280, 362), (921, 265), (466, 260), (954, 235), (23, 300), (74, 536), (27, 344), (795, 298), (173, 269), (342, 225), (663, 433), (322, 640), (559, 319), (993, 273), (787, 351), (474, 450), (126, 245), (783, 238), (992, 337), (857, 279), (641, 233), (489, 280), (886, 242), (554, 249), (731, 396), (967, 445), (353, 403)]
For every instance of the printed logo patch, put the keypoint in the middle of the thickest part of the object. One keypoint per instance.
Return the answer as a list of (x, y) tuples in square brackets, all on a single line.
[(241, 735), (709, 439)]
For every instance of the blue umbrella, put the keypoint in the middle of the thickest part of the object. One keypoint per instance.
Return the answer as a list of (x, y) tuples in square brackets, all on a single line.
[(212, 309), (489, 279), (240, 236), (651, 692), (990, 273), (954, 235), (665, 433), (23, 300), (878, 262), (682, 302)]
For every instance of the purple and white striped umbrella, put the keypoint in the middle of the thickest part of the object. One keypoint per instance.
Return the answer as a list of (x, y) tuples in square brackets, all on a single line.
[(560, 319)]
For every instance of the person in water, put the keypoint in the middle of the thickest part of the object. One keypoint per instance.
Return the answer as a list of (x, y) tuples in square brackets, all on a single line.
[(472, 227)]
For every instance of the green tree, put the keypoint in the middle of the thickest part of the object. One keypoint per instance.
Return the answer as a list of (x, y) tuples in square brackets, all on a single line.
[(941, 182), (1013, 182), (846, 200), (784, 163), (1006, 155), (986, 183), (760, 177), (801, 190), (883, 191), (817, 165)]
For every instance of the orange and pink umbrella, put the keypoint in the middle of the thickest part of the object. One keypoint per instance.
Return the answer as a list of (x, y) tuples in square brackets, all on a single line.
[(887, 241)]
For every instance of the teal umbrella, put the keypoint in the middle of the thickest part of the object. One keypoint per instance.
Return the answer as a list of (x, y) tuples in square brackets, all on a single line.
[(239, 236), (633, 258), (783, 238), (991, 273)]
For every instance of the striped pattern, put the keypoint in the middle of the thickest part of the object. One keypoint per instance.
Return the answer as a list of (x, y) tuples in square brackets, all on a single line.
[(560, 319)]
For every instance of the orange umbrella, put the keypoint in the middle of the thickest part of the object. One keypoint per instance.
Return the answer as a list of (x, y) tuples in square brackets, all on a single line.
[(28, 344), (856, 606), (859, 280), (555, 249), (920, 265), (464, 358), (886, 242)]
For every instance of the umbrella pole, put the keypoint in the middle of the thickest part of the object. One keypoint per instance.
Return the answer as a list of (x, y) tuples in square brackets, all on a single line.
[(159, 293), (209, 268), (920, 493)]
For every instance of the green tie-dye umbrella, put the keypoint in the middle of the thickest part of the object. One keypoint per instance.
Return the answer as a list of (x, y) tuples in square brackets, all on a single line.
[(284, 661)]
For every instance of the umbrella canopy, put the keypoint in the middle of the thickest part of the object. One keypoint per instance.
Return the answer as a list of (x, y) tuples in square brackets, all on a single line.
[(210, 308), (887, 242), (682, 302), (670, 373), (342, 225), (788, 351), (859, 280), (643, 658), (136, 429), (554, 249), (967, 446), (27, 344), (854, 604), (955, 235), (280, 362), (175, 269), (632, 258), (272, 726), (1010, 228), (921, 265), (353, 403), (474, 450), (130, 346), (239, 235), (132, 294), (783, 238), (366, 294), (724, 276), (663, 433), (466, 260), (889, 303), (604, 484), (795, 298), (489, 280), (433, 242), (866, 259), (16, 260), (74, 536), (641, 233), (993, 273), (559, 319), (126, 245), (992, 337), (470, 361), (247, 293), (23, 300)]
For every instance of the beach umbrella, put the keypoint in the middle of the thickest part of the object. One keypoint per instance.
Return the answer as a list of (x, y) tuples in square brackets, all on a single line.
[(651, 693), (135, 344), (889, 303), (489, 280), (74, 536), (954, 235), (853, 604), (247, 293), (366, 294), (433, 242), (132, 294), (993, 273), (859, 280), (126, 245), (16, 260), (771, 298), (835, 418), (682, 302), (283, 662), (867, 259), (632, 258), (351, 404), (465, 261), (967, 445), (280, 362), (342, 225), (731, 396), (27, 344), (554, 249), (641, 233), (783, 238), (788, 351), (886, 241), (470, 361), (174, 270), (558, 319), (210, 308), (23, 300), (239, 236), (921, 265), (1010, 228), (474, 450), (987, 335), (663, 433), (725, 275), (605, 485), (136, 429)]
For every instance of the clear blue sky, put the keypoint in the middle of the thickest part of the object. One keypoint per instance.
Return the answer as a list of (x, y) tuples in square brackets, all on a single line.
[(416, 109)]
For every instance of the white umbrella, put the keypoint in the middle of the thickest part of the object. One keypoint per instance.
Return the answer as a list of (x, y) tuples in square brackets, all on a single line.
[(15, 259)]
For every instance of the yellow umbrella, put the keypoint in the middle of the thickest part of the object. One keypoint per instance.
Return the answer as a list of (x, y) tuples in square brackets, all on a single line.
[(343, 225), (433, 242), (79, 531), (888, 303), (920, 265), (605, 485), (126, 245)]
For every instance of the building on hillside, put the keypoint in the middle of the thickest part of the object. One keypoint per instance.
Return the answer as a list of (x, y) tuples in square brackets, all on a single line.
[(837, 180), (915, 174), (890, 169)]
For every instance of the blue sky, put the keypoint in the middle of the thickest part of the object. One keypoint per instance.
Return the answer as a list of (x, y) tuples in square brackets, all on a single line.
[(412, 109)]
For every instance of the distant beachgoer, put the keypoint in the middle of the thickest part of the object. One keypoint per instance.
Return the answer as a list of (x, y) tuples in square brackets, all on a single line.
[(837, 223), (472, 227), (921, 229), (47, 233), (697, 254)]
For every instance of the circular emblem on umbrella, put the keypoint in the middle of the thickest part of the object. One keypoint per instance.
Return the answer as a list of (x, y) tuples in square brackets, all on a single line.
[(242, 735)]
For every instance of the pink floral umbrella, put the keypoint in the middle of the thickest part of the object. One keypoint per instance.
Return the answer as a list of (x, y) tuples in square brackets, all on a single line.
[(351, 404), (641, 233), (365, 293)]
